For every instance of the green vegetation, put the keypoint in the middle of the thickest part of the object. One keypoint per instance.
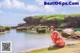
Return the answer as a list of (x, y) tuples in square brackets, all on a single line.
[(56, 16), (7, 27), (41, 26), (56, 20), (4, 28), (1, 27), (74, 15), (51, 17)]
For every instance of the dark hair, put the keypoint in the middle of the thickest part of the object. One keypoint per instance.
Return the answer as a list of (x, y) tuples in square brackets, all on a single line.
[(52, 27)]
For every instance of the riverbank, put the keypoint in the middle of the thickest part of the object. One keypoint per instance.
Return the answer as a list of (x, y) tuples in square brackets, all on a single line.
[(69, 48)]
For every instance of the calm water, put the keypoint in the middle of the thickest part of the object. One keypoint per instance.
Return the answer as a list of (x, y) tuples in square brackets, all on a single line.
[(78, 29), (23, 41)]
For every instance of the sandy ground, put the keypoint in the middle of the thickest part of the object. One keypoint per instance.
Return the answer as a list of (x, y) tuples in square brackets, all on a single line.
[(69, 48)]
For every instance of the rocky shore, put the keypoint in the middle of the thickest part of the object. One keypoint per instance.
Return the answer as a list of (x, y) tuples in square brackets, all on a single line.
[(3, 29)]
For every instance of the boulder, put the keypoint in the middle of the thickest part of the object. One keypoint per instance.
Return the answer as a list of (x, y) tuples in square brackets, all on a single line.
[(70, 33), (67, 32)]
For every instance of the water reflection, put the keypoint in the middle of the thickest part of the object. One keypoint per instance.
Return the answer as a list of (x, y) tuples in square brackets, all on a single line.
[(22, 41)]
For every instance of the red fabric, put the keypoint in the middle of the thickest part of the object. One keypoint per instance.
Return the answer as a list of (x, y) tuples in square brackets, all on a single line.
[(57, 39)]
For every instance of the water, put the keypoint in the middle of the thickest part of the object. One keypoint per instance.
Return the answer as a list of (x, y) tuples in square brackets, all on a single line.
[(23, 41), (77, 29)]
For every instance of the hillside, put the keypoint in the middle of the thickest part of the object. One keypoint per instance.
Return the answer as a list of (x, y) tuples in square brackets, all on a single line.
[(56, 20)]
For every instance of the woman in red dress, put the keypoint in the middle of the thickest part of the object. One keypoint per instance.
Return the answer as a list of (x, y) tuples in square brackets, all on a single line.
[(56, 38)]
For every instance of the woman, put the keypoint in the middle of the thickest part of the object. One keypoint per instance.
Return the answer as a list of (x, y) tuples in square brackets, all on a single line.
[(56, 37)]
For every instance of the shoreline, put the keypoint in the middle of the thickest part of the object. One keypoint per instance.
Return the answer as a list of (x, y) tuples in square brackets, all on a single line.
[(36, 49), (2, 32)]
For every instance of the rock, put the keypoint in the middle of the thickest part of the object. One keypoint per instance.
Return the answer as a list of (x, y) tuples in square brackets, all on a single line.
[(21, 28), (41, 21), (70, 33), (67, 32)]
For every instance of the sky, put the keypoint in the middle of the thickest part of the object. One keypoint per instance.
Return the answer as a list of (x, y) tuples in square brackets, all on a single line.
[(12, 12)]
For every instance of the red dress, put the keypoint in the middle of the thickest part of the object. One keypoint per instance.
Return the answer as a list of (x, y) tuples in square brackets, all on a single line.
[(57, 39)]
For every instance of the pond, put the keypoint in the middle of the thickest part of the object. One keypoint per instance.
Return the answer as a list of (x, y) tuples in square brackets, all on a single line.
[(23, 41)]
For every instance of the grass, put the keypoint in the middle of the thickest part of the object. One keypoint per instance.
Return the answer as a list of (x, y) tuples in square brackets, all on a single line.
[(1, 27), (71, 48), (51, 17)]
